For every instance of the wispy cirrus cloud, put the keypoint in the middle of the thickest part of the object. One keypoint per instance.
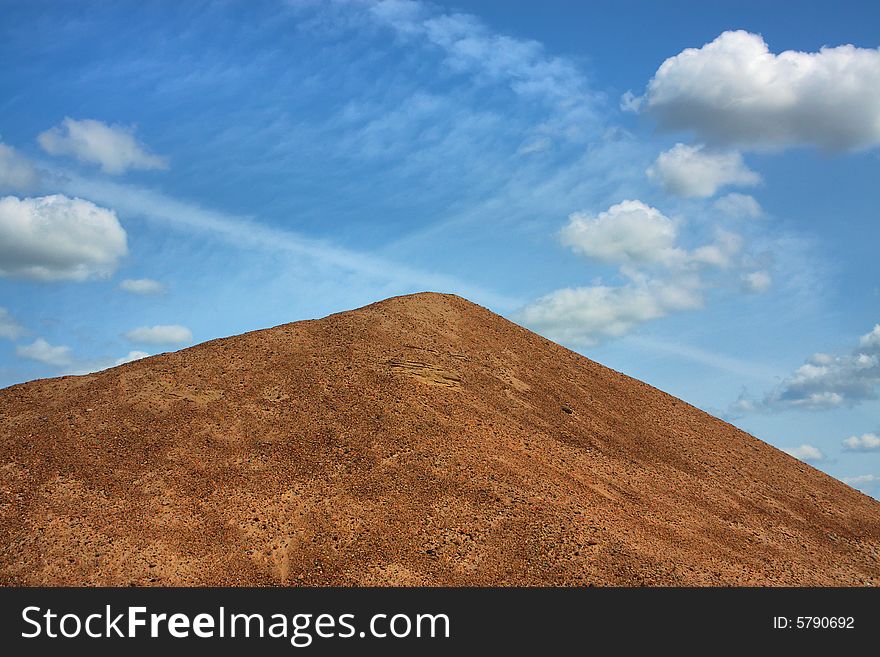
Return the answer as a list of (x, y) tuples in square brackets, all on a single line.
[(247, 233)]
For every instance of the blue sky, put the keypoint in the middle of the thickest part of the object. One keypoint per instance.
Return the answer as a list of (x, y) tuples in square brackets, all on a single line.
[(683, 191)]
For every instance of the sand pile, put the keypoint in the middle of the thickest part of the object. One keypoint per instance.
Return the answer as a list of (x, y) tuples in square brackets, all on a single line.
[(420, 440)]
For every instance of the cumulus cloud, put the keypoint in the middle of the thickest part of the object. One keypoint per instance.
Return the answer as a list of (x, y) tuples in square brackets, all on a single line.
[(629, 232), (9, 328), (806, 453), (56, 237), (586, 315), (757, 281), (867, 442), (17, 174), (662, 276), (43, 352), (633, 233), (739, 206), (112, 147), (734, 91), (871, 340), (144, 286), (695, 171), (827, 381), (160, 334)]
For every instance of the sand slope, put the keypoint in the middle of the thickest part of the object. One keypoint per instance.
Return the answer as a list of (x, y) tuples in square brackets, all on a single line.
[(420, 440)]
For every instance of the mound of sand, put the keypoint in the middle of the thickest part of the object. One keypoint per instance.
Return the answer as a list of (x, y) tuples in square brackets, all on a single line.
[(420, 440)]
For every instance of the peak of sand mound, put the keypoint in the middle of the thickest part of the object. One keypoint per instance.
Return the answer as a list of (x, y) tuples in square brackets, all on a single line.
[(419, 440)]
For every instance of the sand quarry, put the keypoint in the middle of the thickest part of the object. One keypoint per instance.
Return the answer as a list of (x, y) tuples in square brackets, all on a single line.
[(422, 440)]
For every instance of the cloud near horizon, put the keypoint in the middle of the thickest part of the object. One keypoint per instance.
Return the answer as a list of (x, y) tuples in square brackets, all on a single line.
[(806, 453), (130, 357), (824, 381), (862, 482), (587, 315), (161, 334)]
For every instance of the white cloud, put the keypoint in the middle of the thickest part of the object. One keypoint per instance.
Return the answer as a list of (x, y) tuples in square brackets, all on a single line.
[(862, 481), (871, 340), (42, 351), (735, 91), (719, 254), (56, 237), (113, 147), (867, 442), (586, 315), (130, 357), (17, 174), (739, 206), (144, 286), (743, 405), (81, 367), (9, 328), (695, 171), (632, 235), (806, 453), (757, 281), (629, 232), (160, 334), (828, 381)]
